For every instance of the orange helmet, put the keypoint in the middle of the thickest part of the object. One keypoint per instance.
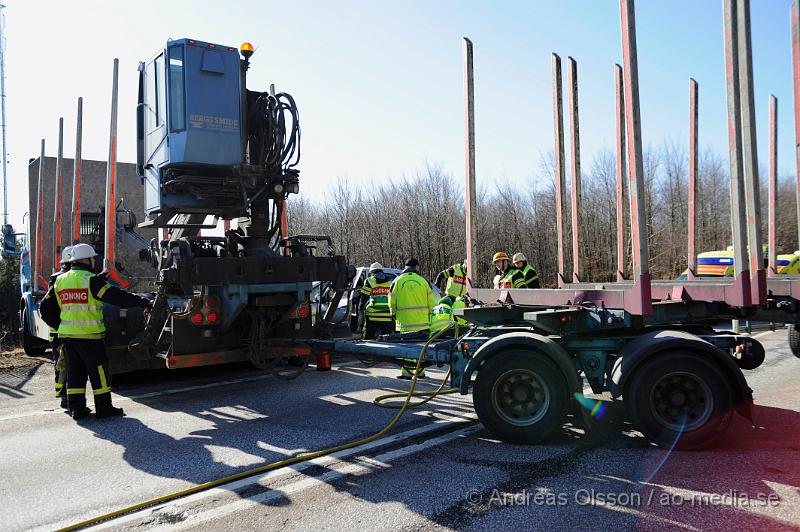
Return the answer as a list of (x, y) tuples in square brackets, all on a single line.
[(500, 255)]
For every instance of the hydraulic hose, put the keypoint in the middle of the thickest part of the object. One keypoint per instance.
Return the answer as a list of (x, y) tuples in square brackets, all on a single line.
[(288, 461)]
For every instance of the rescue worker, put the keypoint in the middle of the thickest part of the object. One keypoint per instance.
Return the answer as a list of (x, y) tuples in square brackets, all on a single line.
[(80, 294), (461, 302), (375, 302), (442, 317), (510, 277), (456, 276), (49, 311), (531, 277), (411, 299)]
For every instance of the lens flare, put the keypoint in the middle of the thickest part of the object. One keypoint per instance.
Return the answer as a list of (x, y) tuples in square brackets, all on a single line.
[(596, 408)]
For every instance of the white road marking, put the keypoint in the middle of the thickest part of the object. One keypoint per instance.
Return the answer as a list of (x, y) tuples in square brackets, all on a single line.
[(332, 459), (363, 467)]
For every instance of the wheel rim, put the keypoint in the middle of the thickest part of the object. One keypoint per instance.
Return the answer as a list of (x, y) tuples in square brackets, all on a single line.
[(520, 397), (681, 401)]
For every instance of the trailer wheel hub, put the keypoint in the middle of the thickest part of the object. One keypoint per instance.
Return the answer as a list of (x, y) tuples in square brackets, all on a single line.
[(520, 397), (681, 401)]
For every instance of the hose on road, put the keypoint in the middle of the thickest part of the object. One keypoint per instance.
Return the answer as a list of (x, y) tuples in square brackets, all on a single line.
[(296, 459)]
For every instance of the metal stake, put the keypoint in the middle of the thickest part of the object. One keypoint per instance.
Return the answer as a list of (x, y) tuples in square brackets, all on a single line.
[(693, 185), (773, 184), (738, 215), (58, 202), (469, 125), (641, 272), (795, 24), (558, 129), (38, 263), (758, 280), (575, 148), (621, 171), (76, 178), (111, 177)]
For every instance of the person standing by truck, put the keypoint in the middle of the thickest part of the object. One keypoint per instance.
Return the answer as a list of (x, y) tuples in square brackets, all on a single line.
[(531, 277), (456, 276), (49, 311), (375, 302), (508, 276), (411, 299), (80, 293)]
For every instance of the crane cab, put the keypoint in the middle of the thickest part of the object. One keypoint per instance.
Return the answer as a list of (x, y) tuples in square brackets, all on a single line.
[(190, 132)]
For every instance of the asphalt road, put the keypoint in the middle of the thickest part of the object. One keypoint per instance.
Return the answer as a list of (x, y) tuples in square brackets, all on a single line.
[(437, 469)]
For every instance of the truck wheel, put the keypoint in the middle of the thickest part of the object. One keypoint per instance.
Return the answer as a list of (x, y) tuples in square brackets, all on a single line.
[(30, 344), (520, 396), (794, 340), (680, 400)]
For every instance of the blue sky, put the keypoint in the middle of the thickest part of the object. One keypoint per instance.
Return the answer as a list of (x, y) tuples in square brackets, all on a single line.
[(379, 85)]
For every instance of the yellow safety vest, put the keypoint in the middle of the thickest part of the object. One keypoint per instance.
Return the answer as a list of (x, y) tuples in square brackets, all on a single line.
[(508, 281), (525, 271), (459, 303), (411, 299), (441, 318), (81, 313), (457, 283), (377, 308)]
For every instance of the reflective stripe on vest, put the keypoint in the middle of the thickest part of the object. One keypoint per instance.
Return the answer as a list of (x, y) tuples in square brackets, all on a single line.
[(441, 318), (410, 296), (81, 313), (457, 284), (507, 281), (378, 293), (529, 268)]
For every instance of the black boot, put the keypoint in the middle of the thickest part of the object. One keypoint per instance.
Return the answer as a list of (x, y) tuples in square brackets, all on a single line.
[(64, 403), (109, 411), (103, 407), (77, 407)]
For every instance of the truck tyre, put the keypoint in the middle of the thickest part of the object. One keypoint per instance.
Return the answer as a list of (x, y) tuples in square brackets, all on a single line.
[(680, 400), (520, 396), (794, 340), (30, 344)]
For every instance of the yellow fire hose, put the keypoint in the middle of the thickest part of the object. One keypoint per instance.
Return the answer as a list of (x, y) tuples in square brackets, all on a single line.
[(296, 459)]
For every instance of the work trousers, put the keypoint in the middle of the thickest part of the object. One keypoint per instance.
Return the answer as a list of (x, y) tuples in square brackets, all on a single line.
[(59, 367), (373, 328), (87, 358)]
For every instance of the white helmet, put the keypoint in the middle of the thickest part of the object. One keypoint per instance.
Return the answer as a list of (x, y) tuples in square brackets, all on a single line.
[(375, 266), (519, 257), (82, 251), (66, 255)]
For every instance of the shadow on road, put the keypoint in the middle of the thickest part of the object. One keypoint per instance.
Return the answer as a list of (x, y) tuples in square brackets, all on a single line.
[(254, 423)]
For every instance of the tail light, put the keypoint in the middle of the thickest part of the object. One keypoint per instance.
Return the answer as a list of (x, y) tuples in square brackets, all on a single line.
[(303, 311), (207, 311)]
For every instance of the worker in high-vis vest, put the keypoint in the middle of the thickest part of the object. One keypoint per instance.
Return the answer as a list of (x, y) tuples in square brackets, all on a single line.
[(456, 276), (411, 300), (528, 271), (375, 302), (461, 302), (80, 293), (442, 317), (509, 276), (49, 299)]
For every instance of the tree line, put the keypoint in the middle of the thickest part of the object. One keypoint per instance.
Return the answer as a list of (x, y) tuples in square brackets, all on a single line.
[(422, 216)]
